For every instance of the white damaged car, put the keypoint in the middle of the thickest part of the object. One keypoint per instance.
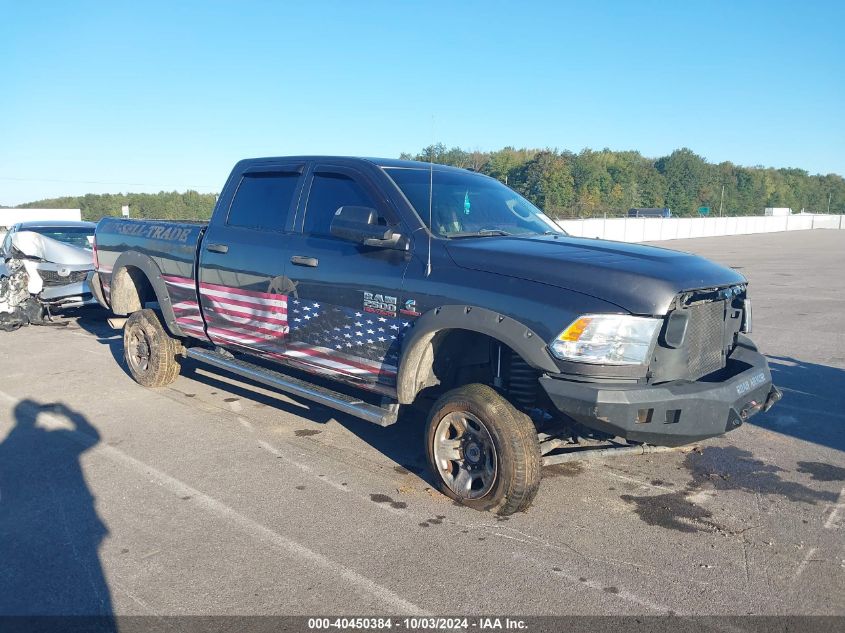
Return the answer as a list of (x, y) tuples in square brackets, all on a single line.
[(44, 265)]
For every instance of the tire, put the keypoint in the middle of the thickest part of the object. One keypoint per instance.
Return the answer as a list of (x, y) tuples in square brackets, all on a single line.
[(502, 480), (149, 351)]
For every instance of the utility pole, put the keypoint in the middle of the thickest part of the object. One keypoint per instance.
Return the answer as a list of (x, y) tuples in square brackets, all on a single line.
[(721, 200), (829, 195)]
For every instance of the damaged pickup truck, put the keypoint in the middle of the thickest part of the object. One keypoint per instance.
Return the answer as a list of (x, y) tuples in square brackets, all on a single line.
[(44, 266), (367, 285)]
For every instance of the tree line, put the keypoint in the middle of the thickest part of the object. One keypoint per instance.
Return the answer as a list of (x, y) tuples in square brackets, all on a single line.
[(594, 183), (564, 184), (167, 205)]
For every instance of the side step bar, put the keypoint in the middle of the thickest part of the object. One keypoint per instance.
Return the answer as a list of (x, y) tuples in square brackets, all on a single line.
[(294, 386)]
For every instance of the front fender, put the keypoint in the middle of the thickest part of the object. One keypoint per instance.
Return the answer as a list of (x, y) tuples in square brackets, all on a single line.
[(417, 353)]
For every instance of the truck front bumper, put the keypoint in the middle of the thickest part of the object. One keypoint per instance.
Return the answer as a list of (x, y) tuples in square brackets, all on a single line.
[(673, 413)]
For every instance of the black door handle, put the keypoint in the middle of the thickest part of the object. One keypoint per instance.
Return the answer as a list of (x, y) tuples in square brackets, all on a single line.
[(217, 248), (302, 260)]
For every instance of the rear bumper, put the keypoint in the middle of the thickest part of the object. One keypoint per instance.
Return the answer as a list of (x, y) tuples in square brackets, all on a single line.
[(676, 413), (96, 286)]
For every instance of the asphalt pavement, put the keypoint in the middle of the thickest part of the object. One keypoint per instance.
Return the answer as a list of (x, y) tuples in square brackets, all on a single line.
[(218, 496)]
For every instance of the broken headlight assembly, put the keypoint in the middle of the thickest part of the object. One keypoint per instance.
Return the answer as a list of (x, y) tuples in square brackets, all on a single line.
[(607, 339)]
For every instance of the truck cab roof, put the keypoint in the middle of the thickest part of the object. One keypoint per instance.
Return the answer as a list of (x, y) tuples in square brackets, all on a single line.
[(395, 163)]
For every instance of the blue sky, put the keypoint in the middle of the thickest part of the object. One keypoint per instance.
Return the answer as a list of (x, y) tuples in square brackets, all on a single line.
[(144, 96)]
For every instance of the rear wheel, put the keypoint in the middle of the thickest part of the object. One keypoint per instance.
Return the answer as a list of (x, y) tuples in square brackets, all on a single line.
[(483, 451), (150, 352)]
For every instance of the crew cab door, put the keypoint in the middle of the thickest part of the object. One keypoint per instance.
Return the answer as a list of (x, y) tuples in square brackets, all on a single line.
[(343, 313), (244, 253)]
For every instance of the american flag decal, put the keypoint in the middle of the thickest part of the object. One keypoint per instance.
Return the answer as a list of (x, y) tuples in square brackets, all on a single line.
[(321, 337), (245, 317), (183, 298), (347, 340)]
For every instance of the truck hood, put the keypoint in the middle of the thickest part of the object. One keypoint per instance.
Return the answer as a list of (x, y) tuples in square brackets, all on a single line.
[(637, 278)]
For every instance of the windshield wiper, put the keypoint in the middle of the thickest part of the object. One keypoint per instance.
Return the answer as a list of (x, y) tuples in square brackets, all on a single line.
[(481, 233)]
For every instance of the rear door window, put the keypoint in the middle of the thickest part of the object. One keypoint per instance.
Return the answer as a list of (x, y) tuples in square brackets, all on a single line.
[(263, 201)]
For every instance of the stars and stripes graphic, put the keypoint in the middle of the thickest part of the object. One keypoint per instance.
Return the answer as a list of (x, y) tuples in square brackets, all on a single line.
[(183, 297), (320, 337), (345, 339), (250, 318)]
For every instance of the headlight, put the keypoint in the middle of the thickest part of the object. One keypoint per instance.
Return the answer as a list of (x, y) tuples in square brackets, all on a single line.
[(607, 339)]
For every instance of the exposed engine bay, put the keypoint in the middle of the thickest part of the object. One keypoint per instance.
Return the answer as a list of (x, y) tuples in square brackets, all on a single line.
[(18, 307)]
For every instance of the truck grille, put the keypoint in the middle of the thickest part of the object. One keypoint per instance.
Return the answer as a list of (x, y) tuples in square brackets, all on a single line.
[(52, 278), (705, 338)]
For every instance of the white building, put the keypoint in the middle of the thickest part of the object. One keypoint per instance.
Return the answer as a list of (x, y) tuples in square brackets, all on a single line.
[(778, 211), (8, 217)]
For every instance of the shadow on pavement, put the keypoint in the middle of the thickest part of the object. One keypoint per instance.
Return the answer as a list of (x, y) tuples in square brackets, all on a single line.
[(401, 442), (94, 321), (813, 405), (50, 532)]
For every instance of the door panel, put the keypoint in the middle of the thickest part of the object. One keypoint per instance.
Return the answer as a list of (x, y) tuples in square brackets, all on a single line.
[(243, 288), (343, 312)]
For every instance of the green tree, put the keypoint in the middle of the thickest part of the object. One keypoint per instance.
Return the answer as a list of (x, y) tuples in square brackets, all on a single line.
[(547, 181)]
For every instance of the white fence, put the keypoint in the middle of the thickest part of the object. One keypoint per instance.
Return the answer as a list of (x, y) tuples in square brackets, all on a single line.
[(656, 229)]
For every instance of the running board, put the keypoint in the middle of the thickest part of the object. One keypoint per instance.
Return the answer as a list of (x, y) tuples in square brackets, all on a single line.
[(294, 386)]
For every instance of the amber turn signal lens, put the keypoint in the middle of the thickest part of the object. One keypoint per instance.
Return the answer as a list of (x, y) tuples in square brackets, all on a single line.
[(574, 331)]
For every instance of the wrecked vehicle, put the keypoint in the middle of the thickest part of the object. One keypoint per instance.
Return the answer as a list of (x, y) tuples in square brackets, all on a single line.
[(367, 285), (44, 266)]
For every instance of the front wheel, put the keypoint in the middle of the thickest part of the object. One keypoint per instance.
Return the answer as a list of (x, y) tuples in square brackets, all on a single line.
[(149, 351), (483, 451)]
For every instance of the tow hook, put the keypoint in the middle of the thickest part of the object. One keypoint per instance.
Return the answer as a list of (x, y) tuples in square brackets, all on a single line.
[(750, 409), (754, 407), (774, 396)]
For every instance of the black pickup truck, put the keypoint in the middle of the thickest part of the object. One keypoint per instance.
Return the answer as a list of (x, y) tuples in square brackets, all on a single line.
[(369, 284)]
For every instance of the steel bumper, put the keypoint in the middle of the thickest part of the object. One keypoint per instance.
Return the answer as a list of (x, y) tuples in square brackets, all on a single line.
[(675, 413)]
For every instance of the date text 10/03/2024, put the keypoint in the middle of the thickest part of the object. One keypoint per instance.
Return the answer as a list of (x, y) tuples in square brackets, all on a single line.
[(423, 623)]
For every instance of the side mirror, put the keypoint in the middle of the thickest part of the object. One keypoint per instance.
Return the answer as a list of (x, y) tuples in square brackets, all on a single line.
[(360, 224)]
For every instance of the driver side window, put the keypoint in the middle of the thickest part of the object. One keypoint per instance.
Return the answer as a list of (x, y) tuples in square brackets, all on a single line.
[(329, 192)]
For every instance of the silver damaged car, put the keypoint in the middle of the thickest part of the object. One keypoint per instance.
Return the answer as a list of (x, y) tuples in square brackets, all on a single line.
[(45, 265)]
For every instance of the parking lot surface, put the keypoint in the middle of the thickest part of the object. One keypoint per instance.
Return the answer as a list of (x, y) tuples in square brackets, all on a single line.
[(218, 496)]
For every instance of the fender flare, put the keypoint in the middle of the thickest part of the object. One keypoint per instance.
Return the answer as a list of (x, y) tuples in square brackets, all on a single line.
[(417, 352), (146, 265)]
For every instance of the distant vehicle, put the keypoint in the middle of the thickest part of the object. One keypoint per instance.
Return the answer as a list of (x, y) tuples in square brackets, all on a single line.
[(777, 211), (404, 282), (58, 259), (634, 212)]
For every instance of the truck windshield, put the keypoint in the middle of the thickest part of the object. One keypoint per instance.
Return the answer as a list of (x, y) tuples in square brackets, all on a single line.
[(470, 205)]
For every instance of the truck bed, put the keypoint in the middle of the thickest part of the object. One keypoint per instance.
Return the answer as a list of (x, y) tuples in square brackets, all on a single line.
[(172, 245)]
